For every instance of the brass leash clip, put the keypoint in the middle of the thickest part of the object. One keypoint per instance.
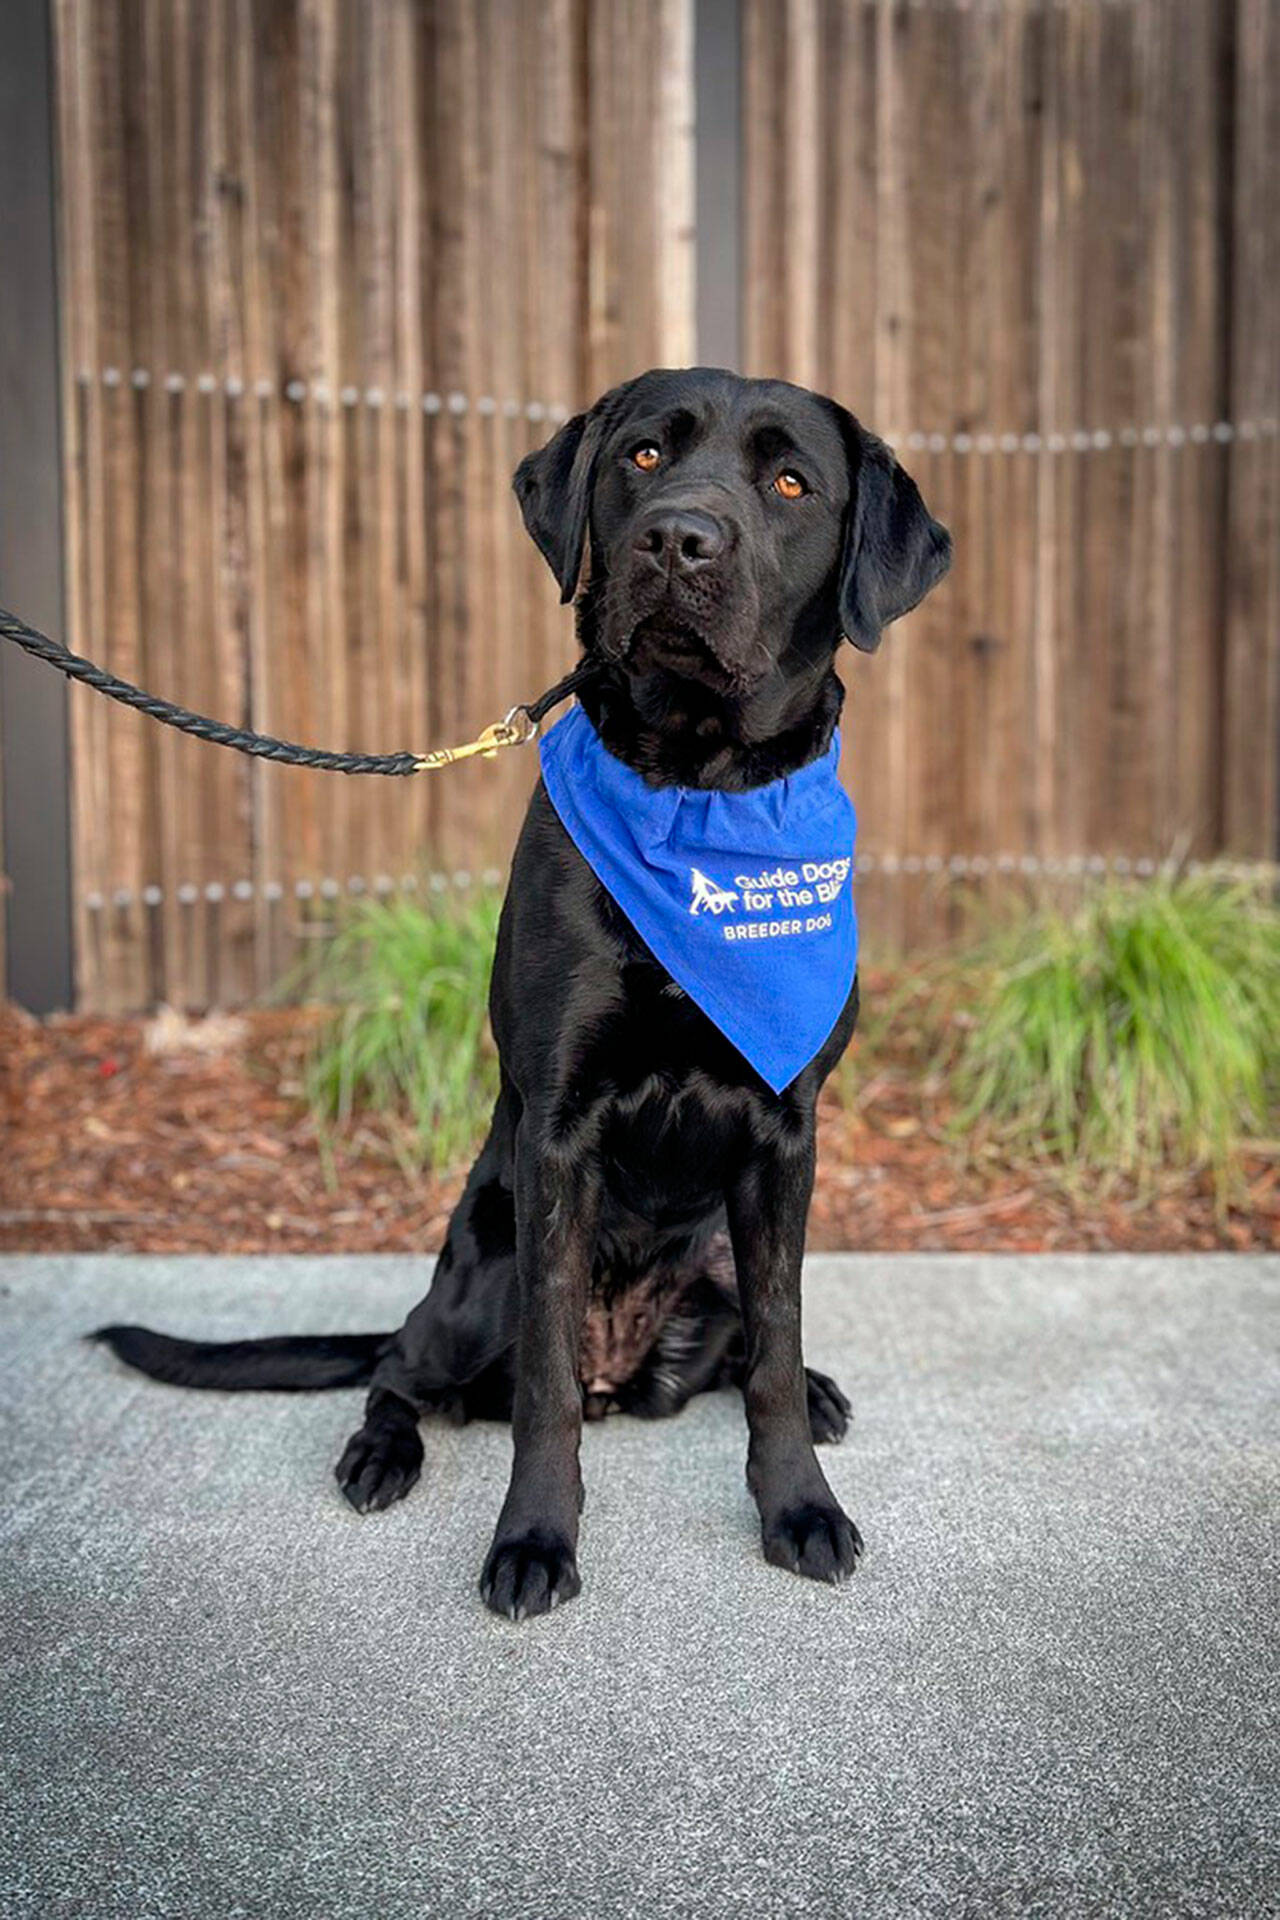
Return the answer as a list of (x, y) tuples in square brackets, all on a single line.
[(515, 731)]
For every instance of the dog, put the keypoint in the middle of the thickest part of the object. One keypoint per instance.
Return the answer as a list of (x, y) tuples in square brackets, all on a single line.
[(631, 1233)]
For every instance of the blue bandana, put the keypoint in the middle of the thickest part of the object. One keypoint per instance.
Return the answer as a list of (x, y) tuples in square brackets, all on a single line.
[(745, 898)]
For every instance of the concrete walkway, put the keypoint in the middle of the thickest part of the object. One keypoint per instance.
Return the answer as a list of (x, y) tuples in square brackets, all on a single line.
[(1051, 1689)]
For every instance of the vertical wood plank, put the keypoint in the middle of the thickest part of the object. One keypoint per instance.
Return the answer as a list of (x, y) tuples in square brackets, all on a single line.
[(1251, 721)]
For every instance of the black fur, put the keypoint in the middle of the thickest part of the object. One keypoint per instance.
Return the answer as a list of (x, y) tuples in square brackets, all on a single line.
[(632, 1230), (291, 1364)]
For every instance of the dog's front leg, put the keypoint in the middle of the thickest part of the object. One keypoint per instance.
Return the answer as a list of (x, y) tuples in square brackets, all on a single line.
[(801, 1523), (531, 1565)]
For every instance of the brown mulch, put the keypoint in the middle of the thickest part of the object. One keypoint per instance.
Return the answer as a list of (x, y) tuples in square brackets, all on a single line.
[(107, 1144)]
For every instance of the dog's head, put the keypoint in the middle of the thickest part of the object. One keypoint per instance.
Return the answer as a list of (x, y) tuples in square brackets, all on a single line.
[(737, 528)]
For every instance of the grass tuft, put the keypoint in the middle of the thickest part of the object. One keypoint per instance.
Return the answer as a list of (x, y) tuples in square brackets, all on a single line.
[(1141, 1031), (408, 1040), (1138, 1033)]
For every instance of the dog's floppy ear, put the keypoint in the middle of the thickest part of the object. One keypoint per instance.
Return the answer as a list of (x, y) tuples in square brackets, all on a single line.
[(894, 549), (554, 485)]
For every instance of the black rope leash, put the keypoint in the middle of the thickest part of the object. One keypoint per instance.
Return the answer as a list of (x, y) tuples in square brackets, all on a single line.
[(519, 727)]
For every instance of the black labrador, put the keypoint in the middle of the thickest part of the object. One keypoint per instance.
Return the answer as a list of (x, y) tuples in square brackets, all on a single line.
[(631, 1233)]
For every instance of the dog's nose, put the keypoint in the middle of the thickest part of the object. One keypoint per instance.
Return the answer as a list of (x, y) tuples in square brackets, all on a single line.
[(680, 540)]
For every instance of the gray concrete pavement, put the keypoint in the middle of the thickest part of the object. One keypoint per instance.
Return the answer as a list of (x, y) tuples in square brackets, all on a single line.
[(1050, 1690)]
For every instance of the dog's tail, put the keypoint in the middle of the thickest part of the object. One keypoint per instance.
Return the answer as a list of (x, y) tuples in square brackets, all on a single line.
[(292, 1363)]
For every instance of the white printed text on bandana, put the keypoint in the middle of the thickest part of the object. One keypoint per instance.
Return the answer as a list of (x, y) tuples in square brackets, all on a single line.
[(809, 886)]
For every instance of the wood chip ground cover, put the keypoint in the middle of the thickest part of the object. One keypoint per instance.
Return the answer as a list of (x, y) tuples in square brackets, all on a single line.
[(163, 1137)]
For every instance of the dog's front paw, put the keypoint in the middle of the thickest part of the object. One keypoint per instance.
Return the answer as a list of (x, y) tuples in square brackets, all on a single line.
[(380, 1465), (530, 1574), (814, 1539), (829, 1408)]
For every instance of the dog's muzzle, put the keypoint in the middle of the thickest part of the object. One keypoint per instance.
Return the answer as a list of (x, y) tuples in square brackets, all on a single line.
[(678, 604)]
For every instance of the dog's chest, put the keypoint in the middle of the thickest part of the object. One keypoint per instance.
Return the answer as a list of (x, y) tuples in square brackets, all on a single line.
[(670, 1092), (669, 1146)]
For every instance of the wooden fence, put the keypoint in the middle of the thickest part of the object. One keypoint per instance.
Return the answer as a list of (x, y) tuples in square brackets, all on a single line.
[(1039, 244), (329, 269)]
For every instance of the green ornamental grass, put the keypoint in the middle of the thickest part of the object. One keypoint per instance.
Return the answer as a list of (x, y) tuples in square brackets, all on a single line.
[(1140, 1031), (408, 1038)]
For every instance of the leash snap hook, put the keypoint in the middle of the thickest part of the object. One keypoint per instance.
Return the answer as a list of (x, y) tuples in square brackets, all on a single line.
[(511, 732)]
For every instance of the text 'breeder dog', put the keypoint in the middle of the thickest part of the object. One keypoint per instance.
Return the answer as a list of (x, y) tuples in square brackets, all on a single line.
[(674, 979)]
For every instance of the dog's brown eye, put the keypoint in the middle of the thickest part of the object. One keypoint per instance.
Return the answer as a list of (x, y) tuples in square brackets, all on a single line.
[(646, 457), (790, 485)]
